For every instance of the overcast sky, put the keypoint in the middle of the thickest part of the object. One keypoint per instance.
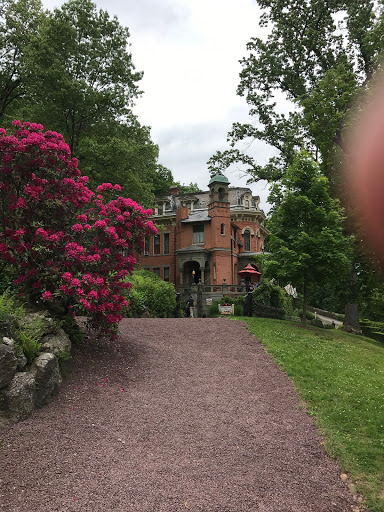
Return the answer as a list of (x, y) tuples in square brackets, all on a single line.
[(189, 52)]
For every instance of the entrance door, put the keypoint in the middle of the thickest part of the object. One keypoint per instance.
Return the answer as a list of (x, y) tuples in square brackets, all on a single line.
[(192, 273)]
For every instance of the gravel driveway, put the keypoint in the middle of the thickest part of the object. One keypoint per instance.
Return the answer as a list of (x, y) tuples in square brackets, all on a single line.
[(186, 414)]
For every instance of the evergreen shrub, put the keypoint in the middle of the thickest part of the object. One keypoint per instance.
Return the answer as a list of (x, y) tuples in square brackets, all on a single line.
[(149, 293)]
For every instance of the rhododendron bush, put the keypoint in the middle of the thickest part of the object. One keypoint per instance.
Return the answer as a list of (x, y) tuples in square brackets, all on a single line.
[(72, 248)]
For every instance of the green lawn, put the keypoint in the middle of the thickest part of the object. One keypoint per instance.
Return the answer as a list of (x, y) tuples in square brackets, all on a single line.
[(341, 379)]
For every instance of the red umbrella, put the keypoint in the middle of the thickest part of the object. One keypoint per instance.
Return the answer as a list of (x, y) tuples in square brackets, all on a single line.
[(249, 270)]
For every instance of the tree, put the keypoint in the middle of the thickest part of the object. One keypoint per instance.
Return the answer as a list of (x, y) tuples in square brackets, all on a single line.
[(307, 241), (318, 56), (79, 71), (192, 188), (19, 23), (124, 153)]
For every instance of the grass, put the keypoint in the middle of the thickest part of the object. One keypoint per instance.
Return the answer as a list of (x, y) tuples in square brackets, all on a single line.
[(341, 379)]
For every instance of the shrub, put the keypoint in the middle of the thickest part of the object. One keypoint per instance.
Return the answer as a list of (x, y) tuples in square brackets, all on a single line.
[(26, 335), (149, 292), (272, 296), (9, 308), (238, 310), (317, 322), (309, 315), (213, 310), (262, 294), (267, 311), (70, 248)]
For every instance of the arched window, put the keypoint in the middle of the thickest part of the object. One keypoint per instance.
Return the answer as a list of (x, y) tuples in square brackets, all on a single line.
[(222, 229), (247, 240)]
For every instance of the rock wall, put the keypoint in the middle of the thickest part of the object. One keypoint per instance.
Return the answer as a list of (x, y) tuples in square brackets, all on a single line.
[(24, 387)]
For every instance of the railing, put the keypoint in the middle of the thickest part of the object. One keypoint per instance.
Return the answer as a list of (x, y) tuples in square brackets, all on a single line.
[(215, 288)]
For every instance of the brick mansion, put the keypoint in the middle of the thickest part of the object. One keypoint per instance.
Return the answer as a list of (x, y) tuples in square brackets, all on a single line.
[(208, 236)]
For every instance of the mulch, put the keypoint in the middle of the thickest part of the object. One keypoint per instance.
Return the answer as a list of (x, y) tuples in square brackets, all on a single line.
[(180, 414)]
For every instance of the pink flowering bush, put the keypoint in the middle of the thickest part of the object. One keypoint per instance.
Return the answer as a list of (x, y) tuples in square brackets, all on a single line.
[(71, 248)]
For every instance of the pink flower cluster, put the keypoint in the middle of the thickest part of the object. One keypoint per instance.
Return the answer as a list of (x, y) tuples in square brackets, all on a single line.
[(62, 238)]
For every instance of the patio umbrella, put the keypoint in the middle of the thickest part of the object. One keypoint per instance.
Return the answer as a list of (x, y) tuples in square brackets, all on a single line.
[(249, 271)]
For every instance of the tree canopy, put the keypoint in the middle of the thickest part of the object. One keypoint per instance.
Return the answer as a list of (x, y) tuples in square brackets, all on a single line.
[(317, 56), (79, 59), (19, 23), (307, 242), (71, 71)]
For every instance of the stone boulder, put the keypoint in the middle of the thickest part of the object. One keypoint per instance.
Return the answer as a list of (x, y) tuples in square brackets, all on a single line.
[(45, 370), (49, 325), (9, 341), (57, 344), (18, 399), (21, 359), (21, 362), (8, 364)]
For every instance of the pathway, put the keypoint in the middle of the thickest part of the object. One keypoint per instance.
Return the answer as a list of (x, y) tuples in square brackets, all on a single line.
[(187, 415)]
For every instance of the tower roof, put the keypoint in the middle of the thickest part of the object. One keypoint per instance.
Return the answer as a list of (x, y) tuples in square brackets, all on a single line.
[(219, 178)]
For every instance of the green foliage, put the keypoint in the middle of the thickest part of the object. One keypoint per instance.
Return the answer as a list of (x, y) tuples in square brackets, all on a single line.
[(29, 344), (63, 356), (262, 294), (340, 377), (317, 323), (150, 293), (192, 188), (29, 335), (20, 21), (318, 56), (10, 308), (70, 70), (227, 300), (272, 296), (124, 153), (238, 310), (79, 70), (72, 329), (329, 296), (213, 310), (312, 250)]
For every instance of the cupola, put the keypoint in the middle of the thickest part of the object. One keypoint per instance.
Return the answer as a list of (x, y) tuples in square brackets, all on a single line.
[(218, 187)]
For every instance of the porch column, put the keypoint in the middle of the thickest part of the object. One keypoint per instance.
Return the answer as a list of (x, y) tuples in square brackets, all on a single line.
[(202, 275), (181, 276)]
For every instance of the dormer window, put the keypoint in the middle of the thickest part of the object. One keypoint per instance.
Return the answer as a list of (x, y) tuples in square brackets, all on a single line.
[(160, 209), (246, 203)]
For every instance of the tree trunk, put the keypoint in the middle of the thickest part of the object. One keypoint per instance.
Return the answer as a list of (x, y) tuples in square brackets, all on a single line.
[(304, 318), (351, 319)]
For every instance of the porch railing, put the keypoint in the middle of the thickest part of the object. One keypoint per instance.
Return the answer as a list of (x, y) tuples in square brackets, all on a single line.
[(216, 288)]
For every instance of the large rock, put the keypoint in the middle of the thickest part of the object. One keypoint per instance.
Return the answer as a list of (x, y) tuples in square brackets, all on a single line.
[(18, 399), (45, 369), (8, 364), (48, 324), (21, 362), (57, 344)]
